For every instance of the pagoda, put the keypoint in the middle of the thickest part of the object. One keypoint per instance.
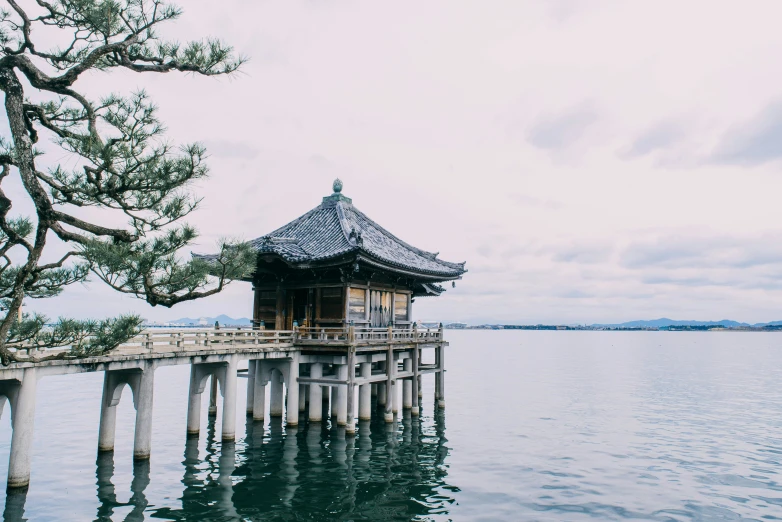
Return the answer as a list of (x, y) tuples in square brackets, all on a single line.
[(335, 266)]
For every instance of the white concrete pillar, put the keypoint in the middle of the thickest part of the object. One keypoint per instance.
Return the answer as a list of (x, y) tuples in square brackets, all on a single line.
[(437, 375), (275, 408), (143, 386), (229, 399), (390, 364), (213, 396), (22, 417), (365, 394), (407, 386), (395, 396), (342, 395), (108, 411), (316, 400), (441, 397), (303, 397), (381, 394), (334, 391), (194, 403), (259, 394), (416, 384), (292, 407), (250, 387)]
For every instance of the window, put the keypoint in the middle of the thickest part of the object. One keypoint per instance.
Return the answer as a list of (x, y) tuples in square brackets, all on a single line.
[(400, 307), (331, 306), (357, 304), (267, 307)]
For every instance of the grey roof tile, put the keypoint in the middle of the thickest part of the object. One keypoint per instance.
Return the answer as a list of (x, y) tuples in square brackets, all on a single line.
[(336, 227)]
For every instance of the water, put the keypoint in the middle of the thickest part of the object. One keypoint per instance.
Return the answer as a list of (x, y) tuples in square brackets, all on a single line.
[(538, 426)]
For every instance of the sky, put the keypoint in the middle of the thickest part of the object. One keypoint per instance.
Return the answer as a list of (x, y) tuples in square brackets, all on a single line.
[(592, 162)]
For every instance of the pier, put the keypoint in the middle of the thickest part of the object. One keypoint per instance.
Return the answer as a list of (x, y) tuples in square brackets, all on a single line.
[(300, 367), (338, 289)]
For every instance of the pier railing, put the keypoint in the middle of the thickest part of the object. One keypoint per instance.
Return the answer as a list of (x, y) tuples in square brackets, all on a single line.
[(366, 334), (184, 339), (196, 339)]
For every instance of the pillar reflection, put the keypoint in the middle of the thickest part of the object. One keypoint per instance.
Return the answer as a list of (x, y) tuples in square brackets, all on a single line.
[(387, 471), (107, 494), (15, 500)]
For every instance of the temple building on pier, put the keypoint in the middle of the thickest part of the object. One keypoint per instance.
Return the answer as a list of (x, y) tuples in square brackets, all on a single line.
[(334, 293), (334, 266)]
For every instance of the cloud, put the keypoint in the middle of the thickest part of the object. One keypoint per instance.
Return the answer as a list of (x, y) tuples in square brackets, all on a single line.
[(231, 149), (524, 200), (754, 142), (561, 130), (704, 252), (582, 253), (662, 135)]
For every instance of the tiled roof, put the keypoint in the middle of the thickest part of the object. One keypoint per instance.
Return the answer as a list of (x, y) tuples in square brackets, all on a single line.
[(336, 227)]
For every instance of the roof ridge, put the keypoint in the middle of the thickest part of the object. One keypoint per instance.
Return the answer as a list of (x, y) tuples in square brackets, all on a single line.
[(432, 256), (294, 222), (343, 223)]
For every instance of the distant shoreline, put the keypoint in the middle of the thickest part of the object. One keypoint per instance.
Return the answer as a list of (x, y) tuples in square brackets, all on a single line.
[(709, 328)]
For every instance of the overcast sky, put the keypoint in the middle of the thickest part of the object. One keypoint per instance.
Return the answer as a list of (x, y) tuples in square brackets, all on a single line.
[(591, 161)]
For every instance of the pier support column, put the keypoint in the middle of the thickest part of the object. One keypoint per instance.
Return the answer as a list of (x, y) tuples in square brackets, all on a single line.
[(259, 394), (303, 395), (395, 395), (382, 392), (374, 389), (407, 385), (365, 394), (275, 408), (229, 399), (292, 407), (112, 390), (390, 363), (437, 375), (316, 399), (22, 417), (143, 385), (441, 382), (415, 383), (213, 397), (250, 387), (342, 395), (350, 390), (198, 376)]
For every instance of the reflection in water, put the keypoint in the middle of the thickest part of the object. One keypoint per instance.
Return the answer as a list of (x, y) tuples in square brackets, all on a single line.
[(107, 496), (387, 472), (14, 505)]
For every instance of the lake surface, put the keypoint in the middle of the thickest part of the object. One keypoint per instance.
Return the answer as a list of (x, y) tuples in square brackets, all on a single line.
[(538, 426)]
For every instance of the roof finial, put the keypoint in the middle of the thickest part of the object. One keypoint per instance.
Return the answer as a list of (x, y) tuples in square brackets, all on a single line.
[(337, 186)]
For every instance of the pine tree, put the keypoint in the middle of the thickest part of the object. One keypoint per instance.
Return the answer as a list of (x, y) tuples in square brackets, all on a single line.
[(125, 166)]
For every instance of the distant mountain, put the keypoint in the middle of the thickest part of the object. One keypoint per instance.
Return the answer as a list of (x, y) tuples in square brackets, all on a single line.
[(664, 322), (223, 319)]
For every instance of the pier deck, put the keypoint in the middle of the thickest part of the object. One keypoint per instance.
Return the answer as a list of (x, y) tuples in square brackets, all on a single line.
[(301, 366)]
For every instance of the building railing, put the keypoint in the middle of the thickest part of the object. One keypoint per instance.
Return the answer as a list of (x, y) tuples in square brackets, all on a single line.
[(361, 334)]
